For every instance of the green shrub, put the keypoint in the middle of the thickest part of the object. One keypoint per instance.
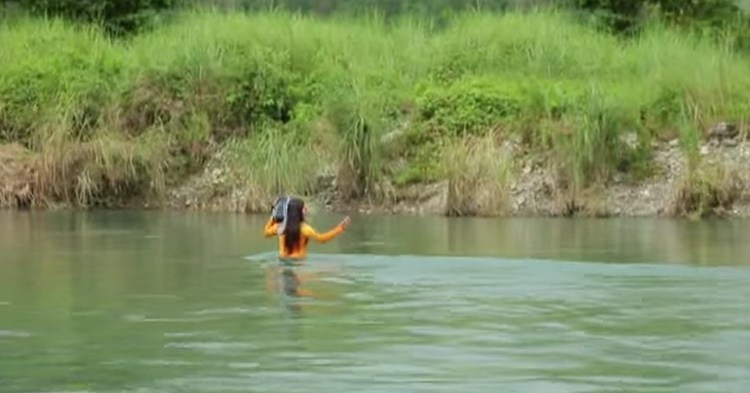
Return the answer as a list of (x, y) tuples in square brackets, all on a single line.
[(471, 106)]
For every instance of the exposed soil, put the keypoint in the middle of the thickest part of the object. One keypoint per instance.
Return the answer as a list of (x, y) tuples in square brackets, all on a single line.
[(533, 191), (16, 177)]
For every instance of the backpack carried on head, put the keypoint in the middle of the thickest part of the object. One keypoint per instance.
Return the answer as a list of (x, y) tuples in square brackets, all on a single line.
[(279, 209)]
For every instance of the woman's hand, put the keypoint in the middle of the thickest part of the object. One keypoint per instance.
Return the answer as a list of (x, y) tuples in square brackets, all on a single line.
[(345, 222)]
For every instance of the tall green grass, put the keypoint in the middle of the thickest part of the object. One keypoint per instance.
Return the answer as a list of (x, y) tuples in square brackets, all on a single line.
[(478, 174), (267, 81)]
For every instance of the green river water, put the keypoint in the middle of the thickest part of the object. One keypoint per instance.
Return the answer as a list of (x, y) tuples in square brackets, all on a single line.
[(188, 302)]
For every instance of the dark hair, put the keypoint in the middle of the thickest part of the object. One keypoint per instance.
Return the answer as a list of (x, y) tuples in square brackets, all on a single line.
[(294, 219)]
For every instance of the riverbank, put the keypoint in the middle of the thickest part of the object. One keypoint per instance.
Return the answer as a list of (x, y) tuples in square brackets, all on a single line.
[(718, 186), (525, 113)]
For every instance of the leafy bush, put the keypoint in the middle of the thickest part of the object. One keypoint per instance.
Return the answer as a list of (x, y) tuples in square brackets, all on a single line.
[(471, 106)]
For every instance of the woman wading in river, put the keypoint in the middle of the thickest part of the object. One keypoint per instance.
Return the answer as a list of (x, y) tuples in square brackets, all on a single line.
[(288, 223)]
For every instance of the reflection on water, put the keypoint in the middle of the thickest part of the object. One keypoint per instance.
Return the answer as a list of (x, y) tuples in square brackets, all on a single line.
[(151, 302)]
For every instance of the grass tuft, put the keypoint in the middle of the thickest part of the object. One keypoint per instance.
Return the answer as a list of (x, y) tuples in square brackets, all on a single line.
[(478, 173), (272, 164), (710, 190), (107, 170)]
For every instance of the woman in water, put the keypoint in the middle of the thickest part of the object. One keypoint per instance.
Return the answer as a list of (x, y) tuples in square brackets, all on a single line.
[(294, 233)]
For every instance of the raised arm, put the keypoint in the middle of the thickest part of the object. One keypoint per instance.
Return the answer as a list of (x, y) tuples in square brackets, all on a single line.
[(324, 237), (270, 228)]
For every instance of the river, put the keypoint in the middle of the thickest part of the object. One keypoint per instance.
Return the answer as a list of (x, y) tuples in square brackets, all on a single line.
[(192, 302)]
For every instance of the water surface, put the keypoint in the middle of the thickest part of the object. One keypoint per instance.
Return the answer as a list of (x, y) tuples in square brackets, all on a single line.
[(160, 302)]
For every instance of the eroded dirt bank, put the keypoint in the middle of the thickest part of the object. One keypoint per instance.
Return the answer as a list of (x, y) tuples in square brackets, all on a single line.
[(717, 186)]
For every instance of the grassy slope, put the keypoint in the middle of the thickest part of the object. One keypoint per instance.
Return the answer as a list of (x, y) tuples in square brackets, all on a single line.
[(280, 96)]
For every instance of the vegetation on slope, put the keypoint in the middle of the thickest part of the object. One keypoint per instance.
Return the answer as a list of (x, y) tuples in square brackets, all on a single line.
[(280, 97)]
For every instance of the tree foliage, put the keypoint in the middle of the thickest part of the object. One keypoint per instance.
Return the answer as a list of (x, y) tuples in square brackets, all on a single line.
[(387, 7), (125, 16), (117, 16), (627, 15)]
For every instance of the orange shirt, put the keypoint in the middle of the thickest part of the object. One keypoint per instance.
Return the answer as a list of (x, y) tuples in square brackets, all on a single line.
[(306, 231)]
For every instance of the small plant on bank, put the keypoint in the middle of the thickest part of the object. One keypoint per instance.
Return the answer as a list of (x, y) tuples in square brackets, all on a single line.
[(709, 190)]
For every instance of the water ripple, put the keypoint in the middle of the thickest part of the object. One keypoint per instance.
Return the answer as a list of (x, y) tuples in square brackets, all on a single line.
[(14, 334), (419, 325), (212, 346)]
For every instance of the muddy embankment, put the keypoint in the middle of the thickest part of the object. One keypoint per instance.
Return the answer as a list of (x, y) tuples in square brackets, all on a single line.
[(717, 185)]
